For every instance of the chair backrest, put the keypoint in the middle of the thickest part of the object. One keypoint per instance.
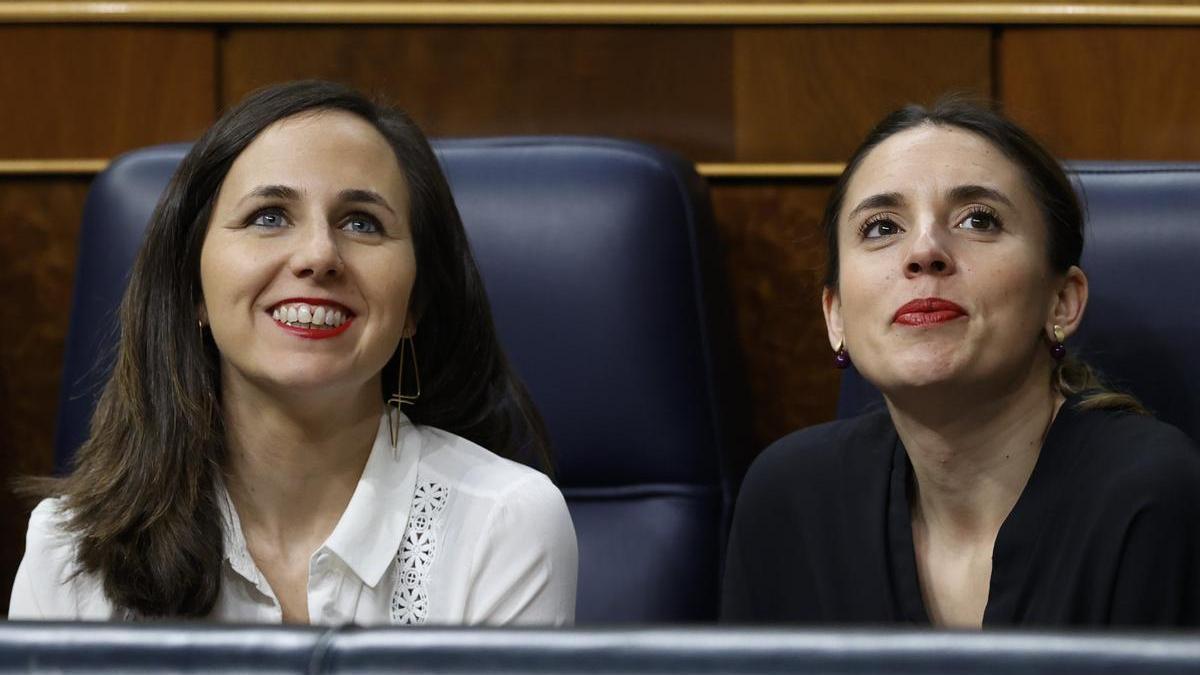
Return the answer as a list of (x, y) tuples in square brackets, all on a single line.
[(1141, 250), (597, 258)]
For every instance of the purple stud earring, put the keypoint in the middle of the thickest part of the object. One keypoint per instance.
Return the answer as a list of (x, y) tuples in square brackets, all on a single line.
[(841, 357), (1058, 350)]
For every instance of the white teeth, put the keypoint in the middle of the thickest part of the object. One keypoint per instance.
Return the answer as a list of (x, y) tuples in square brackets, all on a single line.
[(311, 316)]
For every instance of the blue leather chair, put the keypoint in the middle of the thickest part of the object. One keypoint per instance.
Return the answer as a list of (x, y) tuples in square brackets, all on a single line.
[(1141, 250), (598, 259)]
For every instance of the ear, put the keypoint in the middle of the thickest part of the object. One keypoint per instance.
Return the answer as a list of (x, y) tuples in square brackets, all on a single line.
[(831, 305), (202, 312), (1069, 302)]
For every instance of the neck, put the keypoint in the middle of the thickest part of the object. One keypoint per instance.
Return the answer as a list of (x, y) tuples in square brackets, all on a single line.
[(972, 460), (293, 462)]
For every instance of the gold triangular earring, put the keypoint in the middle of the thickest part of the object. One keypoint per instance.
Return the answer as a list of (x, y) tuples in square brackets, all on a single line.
[(407, 347)]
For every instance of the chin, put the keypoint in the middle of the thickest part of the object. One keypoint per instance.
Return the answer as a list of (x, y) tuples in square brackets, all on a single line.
[(914, 371), (302, 378)]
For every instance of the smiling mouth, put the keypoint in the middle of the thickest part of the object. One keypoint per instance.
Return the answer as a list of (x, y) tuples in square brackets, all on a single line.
[(311, 320), (304, 315)]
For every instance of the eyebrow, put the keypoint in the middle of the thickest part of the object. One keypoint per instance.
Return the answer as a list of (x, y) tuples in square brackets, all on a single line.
[(961, 193), (883, 199), (288, 193), (272, 192), (966, 193), (360, 196)]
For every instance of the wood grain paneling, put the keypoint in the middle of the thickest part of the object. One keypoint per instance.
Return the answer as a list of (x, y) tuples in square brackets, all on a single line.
[(774, 257), (38, 240), (1106, 93), (811, 94), (95, 91), (668, 86)]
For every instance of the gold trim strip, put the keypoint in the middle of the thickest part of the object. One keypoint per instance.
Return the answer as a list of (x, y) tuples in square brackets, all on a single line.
[(333, 12), (51, 167), (715, 170), (763, 170)]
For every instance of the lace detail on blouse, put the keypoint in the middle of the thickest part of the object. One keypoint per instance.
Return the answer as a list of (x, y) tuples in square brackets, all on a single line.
[(410, 600)]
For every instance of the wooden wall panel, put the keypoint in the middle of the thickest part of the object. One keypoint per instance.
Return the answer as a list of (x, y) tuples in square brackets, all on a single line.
[(94, 91), (774, 257), (811, 93), (668, 86), (1106, 93), (39, 225)]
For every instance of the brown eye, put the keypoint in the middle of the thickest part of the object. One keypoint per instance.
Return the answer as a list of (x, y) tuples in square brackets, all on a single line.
[(980, 221), (877, 229)]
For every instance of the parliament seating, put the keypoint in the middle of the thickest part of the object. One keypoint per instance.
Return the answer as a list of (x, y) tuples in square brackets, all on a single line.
[(599, 261), (1141, 248)]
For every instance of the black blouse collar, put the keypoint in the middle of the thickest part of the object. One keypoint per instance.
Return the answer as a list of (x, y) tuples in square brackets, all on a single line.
[(1019, 535)]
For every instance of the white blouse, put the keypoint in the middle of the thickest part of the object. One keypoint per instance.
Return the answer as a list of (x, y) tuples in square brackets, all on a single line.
[(438, 531)]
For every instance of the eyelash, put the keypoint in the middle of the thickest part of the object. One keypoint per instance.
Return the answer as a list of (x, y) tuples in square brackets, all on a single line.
[(972, 212), (363, 218), (877, 219), (273, 211), (980, 210)]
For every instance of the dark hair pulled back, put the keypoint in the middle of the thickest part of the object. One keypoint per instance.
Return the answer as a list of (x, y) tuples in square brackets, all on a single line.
[(1047, 182)]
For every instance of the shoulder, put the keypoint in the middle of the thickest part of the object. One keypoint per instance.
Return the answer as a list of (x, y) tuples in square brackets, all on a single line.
[(1138, 457), (520, 552), (48, 537), (814, 455), (505, 494), (474, 471), (49, 515), (48, 584)]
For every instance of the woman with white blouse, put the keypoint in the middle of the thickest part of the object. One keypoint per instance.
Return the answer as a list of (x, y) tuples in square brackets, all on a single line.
[(304, 275)]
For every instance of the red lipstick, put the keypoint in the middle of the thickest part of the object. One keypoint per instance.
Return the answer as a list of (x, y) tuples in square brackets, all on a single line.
[(316, 333), (927, 311), (323, 332)]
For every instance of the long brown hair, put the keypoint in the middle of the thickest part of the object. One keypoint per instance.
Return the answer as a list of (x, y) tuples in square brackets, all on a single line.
[(1051, 190), (142, 498)]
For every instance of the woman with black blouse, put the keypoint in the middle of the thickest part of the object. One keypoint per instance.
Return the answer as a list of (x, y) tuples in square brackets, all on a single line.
[(1001, 484)]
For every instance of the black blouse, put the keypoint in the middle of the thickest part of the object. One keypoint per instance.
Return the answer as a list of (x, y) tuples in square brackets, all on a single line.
[(1105, 533)]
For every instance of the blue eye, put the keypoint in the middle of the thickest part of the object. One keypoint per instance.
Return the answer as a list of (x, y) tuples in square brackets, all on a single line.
[(362, 224), (980, 220), (270, 218), (877, 228)]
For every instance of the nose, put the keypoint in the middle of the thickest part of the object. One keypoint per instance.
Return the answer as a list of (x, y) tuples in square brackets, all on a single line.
[(929, 253), (317, 255)]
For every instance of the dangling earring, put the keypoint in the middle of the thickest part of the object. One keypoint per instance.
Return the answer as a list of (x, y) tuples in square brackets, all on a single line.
[(841, 357), (1058, 350), (400, 398)]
